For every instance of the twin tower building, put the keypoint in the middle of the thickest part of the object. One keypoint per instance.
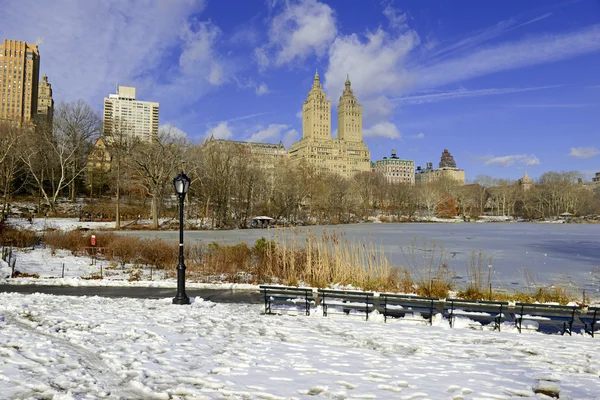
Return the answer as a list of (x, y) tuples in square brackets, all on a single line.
[(347, 154)]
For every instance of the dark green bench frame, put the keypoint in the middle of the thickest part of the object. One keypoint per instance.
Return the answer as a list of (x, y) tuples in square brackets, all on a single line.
[(547, 313), (410, 305), (590, 319), (495, 310), (347, 297), (287, 295)]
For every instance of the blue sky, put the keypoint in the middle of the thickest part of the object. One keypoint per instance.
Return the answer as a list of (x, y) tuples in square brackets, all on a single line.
[(507, 86)]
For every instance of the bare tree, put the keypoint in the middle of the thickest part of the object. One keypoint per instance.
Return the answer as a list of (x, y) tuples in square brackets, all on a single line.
[(121, 144), (9, 161), (154, 164), (370, 188), (55, 156), (430, 196)]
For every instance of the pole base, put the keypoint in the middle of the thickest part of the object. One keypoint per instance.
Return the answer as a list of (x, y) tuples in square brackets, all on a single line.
[(181, 299)]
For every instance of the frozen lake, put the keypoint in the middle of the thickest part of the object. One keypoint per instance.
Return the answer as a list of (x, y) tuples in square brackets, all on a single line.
[(553, 253)]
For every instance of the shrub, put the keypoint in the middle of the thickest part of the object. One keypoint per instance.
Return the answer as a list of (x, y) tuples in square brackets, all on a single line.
[(17, 237), (73, 241), (125, 250), (158, 253)]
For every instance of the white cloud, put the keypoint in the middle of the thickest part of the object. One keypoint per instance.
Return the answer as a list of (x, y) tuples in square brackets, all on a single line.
[(302, 28), (261, 58), (274, 133), (198, 58), (461, 93), (583, 152), (290, 137), (221, 131), (172, 131), (375, 66), (526, 160), (112, 41), (511, 55), (383, 129), (261, 89), (299, 114), (396, 18), (376, 109), (417, 136)]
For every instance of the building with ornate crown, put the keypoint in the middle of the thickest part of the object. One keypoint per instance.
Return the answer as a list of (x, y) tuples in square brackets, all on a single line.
[(446, 169), (45, 103), (345, 155), (396, 170)]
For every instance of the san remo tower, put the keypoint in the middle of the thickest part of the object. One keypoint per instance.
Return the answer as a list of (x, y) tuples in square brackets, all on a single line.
[(347, 154)]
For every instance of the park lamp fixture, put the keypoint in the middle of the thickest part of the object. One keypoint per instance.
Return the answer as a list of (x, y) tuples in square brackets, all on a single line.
[(182, 184)]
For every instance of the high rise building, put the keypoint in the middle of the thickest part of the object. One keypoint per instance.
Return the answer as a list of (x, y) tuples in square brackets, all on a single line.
[(131, 117), (396, 170), (347, 154), (19, 76), (45, 104)]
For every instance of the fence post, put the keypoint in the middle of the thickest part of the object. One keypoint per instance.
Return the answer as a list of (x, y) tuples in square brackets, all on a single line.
[(63, 271), (101, 277), (490, 292), (583, 298), (12, 272)]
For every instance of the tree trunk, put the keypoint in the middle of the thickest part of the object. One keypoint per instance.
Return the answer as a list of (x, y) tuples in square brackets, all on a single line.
[(154, 208), (118, 206)]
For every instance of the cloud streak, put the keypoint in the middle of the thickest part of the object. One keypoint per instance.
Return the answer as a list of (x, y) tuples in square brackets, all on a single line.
[(507, 56), (463, 93), (550, 105), (526, 160), (485, 35)]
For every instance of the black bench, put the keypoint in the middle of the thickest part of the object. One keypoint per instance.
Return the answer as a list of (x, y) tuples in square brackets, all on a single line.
[(398, 305), (546, 314), (288, 295), (477, 310), (347, 300), (590, 319)]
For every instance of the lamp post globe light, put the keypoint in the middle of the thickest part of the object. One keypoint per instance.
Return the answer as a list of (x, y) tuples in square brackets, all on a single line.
[(182, 184)]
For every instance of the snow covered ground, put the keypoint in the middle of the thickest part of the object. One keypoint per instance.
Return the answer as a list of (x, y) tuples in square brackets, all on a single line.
[(59, 347)]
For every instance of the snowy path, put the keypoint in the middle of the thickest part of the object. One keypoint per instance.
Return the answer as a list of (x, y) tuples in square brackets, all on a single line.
[(130, 348)]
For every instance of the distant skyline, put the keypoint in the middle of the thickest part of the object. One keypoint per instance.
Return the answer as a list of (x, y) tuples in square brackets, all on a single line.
[(507, 87)]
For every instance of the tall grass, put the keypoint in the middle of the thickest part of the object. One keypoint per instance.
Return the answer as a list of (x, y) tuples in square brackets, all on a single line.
[(428, 264), (479, 278)]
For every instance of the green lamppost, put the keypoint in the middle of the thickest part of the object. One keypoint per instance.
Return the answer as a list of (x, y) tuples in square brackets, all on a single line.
[(182, 184)]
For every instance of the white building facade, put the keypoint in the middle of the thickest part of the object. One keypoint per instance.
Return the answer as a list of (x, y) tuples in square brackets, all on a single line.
[(135, 118)]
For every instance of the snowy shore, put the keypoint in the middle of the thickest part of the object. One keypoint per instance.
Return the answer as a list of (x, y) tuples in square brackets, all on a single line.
[(75, 347)]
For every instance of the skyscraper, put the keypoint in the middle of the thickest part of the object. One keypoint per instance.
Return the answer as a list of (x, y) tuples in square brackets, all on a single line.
[(345, 155), (19, 76), (126, 115)]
